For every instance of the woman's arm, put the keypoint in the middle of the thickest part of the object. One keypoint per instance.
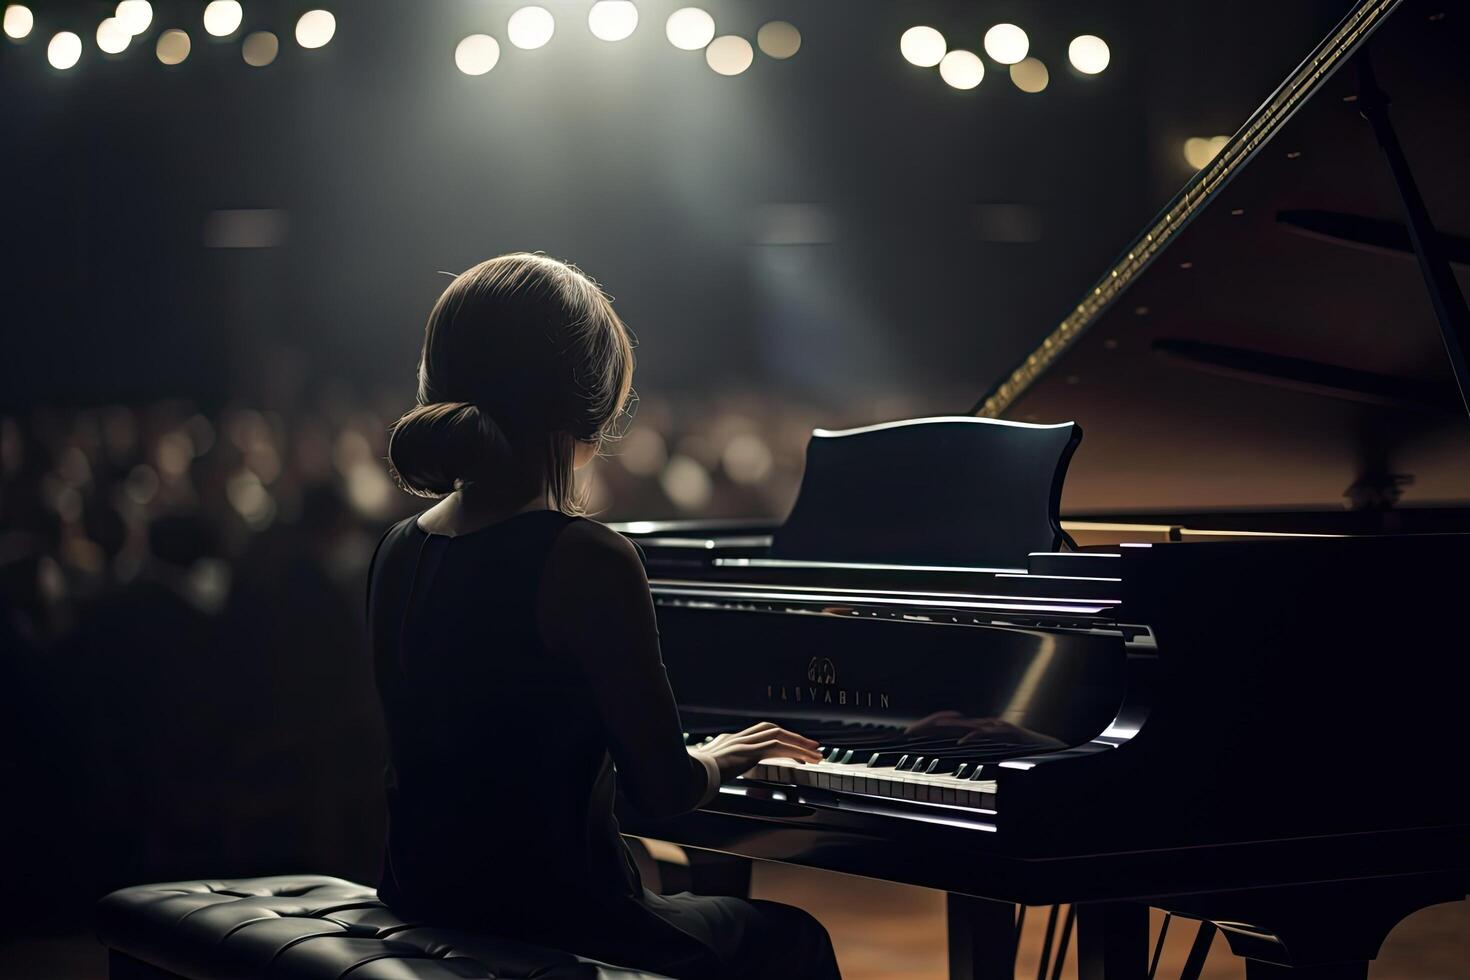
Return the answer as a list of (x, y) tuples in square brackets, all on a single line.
[(596, 608)]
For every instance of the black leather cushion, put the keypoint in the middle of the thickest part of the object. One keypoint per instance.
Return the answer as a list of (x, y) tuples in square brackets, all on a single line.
[(311, 927)]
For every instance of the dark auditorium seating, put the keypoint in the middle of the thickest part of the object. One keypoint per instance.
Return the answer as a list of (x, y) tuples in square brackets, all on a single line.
[(306, 927)]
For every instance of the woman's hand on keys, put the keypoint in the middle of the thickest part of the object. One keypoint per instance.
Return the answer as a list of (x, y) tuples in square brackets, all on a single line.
[(737, 752)]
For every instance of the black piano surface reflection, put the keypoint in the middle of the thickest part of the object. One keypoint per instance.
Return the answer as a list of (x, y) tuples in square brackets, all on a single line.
[(1231, 682)]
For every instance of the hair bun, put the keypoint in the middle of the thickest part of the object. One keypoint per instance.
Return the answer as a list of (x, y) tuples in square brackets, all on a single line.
[(435, 449)]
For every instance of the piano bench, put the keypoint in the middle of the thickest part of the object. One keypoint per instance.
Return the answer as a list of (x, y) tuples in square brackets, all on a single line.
[(306, 927)]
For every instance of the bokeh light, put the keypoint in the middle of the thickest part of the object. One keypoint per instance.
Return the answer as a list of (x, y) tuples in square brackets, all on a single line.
[(316, 28), (778, 39), (686, 482), (747, 459), (690, 28), (1030, 75), (1089, 54), (18, 21), (173, 47), (729, 55), (134, 16), (222, 17), (922, 46), (643, 452), (477, 54), (962, 69), (1200, 150), (1006, 43), (111, 37), (530, 27), (612, 20), (260, 48), (64, 51)]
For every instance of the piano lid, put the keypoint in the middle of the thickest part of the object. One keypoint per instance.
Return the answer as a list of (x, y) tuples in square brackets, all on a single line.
[(1269, 342)]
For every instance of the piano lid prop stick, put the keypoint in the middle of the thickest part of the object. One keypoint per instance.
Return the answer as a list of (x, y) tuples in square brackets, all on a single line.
[(1444, 291)]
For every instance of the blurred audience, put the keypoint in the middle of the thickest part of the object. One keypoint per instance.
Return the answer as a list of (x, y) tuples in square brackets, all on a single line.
[(185, 688)]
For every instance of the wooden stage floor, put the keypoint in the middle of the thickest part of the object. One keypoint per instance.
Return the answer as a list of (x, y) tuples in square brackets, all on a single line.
[(884, 931)]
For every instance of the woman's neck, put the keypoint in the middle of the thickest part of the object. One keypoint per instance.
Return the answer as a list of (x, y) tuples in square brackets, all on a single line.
[(469, 510)]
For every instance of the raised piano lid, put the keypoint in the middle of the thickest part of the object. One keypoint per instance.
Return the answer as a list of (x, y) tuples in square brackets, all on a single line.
[(1268, 342)]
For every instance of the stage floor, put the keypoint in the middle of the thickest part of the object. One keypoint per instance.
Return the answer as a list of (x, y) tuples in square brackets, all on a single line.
[(883, 930)]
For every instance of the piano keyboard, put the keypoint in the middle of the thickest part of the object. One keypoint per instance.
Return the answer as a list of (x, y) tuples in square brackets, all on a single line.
[(958, 788), (869, 759)]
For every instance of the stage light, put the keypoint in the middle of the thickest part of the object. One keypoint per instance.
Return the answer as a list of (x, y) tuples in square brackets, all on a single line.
[(134, 16), (64, 51), (18, 21), (729, 55), (530, 27), (1030, 75), (1089, 54), (778, 39), (260, 48), (962, 69), (222, 17), (922, 46), (315, 28), (477, 54), (1006, 43), (111, 37), (173, 47), (690, 28), (612, 20), (1199, 150)]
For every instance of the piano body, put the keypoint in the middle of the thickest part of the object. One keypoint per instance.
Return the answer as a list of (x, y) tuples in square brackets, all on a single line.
[(1230, 682)]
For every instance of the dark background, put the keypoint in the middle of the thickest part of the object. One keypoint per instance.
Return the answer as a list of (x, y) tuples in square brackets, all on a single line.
[(191, 437), (633, 159)]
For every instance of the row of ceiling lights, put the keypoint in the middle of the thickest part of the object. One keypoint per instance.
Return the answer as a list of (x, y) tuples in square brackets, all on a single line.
[(689, 29), (132, 18), (1007, 45), (531, 27)]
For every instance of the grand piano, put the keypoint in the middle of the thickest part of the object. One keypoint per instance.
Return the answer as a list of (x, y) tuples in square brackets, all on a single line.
[(1207, 659)]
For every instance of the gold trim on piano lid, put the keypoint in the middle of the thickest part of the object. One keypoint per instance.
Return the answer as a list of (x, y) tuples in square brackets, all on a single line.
[(1259, 129), (1188, 532)]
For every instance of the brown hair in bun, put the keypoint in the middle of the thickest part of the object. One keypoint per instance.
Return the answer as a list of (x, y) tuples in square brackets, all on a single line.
[(523, 358)]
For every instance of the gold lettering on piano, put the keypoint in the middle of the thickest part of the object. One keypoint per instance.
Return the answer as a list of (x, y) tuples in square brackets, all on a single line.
[(821, 674)]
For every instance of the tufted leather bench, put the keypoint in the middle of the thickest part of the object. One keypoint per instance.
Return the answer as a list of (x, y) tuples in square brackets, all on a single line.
[(306, 927)]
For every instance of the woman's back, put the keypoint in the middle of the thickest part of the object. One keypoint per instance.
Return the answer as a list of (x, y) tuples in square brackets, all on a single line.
[(517, 656), (499, 770)]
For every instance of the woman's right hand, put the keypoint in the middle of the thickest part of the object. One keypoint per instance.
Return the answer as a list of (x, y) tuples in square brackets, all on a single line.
[(738, 752)]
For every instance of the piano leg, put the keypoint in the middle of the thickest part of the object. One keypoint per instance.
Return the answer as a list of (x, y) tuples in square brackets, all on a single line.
[(1322, 931), (1112, 941), (982, 938)]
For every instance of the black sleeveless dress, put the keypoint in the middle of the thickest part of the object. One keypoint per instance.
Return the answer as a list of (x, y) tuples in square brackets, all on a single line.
[(501, 786)]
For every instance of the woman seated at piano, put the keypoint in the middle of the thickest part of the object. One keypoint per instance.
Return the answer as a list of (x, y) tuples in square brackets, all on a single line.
[(517, 656)]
